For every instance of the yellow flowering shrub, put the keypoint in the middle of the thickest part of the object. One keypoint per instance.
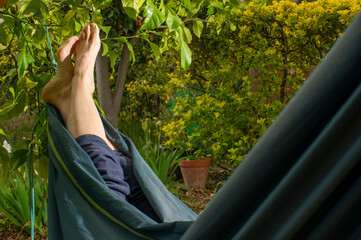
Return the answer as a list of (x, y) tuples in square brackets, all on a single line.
[(242, 77)]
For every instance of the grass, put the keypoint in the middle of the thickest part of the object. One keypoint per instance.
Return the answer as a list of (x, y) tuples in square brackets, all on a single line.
[(14, 203)]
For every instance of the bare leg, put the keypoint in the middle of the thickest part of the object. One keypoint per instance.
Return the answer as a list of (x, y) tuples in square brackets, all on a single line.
[(83, 117), (71, 89)]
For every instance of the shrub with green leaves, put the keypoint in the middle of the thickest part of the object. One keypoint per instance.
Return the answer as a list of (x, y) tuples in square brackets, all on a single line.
[(243, 76), (162, 161)]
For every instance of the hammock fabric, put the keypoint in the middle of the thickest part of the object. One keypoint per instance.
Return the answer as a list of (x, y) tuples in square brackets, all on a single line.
[(81, 205), (302, 180)]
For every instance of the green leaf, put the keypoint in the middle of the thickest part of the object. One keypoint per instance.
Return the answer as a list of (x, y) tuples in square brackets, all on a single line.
[(18, 30), (44, 10), (11, 89), (23, 199), (5, 164), (187, 2), (75, 3), (131, 12), (188, 35), (39, 34), (3, 38), (173, 22), (105, 29), (13, 109), (105, 49), (198, 28), (233, 27), (263, 2), (69, 16), (236, 10), (112, 57), (103, 4), (155, 49), (140, 4), (18, 158), (98, 107), (164, 47), (8, 214), (130, 47), (32, 7), (2, 132), (37, 8), (154, 17), (43, 167), (25, 82), (131, 8), (218, 5), (77, 26), (186, 55), (210, 10), (23, 8), (22, 144), (235, 2), (22, 62)]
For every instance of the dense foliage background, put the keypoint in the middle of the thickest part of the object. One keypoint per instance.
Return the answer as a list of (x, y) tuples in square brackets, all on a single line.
[(241, 77)]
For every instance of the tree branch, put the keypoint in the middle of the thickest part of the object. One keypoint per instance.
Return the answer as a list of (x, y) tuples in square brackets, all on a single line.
[(122, 74), (103, 86)]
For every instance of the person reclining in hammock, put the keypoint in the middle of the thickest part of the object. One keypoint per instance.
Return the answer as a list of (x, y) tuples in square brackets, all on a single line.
[(71, 92)]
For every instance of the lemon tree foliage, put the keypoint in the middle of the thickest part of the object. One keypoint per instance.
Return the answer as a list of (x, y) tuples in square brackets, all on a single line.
[(159, 25), (242, 77)]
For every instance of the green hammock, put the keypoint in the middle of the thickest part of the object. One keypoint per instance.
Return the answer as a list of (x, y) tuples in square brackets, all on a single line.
[(80, 199), (302, 180)]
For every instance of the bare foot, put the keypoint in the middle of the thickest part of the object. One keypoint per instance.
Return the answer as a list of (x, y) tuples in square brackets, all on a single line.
[(86, 52), (57, 91)]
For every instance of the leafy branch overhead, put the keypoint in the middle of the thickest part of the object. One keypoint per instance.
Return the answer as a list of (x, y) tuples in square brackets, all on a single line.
[(173, 16)]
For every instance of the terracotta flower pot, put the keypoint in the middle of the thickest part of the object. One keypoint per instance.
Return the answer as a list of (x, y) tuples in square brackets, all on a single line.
[(3, 3), (195, 172)]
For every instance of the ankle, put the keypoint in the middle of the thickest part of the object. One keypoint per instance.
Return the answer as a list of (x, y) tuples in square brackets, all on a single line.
[(82, 84), (83, 73)]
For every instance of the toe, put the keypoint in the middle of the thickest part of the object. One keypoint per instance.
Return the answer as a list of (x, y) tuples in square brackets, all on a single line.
[(73, 49), (82, 36), (94, 28), (65, 50), (94, 32), (86, 31), (72, 40)]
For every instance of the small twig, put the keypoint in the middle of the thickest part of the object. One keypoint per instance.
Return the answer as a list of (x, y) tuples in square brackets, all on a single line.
[(26, 224), (224, 168)]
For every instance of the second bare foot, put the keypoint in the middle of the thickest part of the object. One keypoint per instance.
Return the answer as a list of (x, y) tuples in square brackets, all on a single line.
[(57, 91), (86, 53)]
